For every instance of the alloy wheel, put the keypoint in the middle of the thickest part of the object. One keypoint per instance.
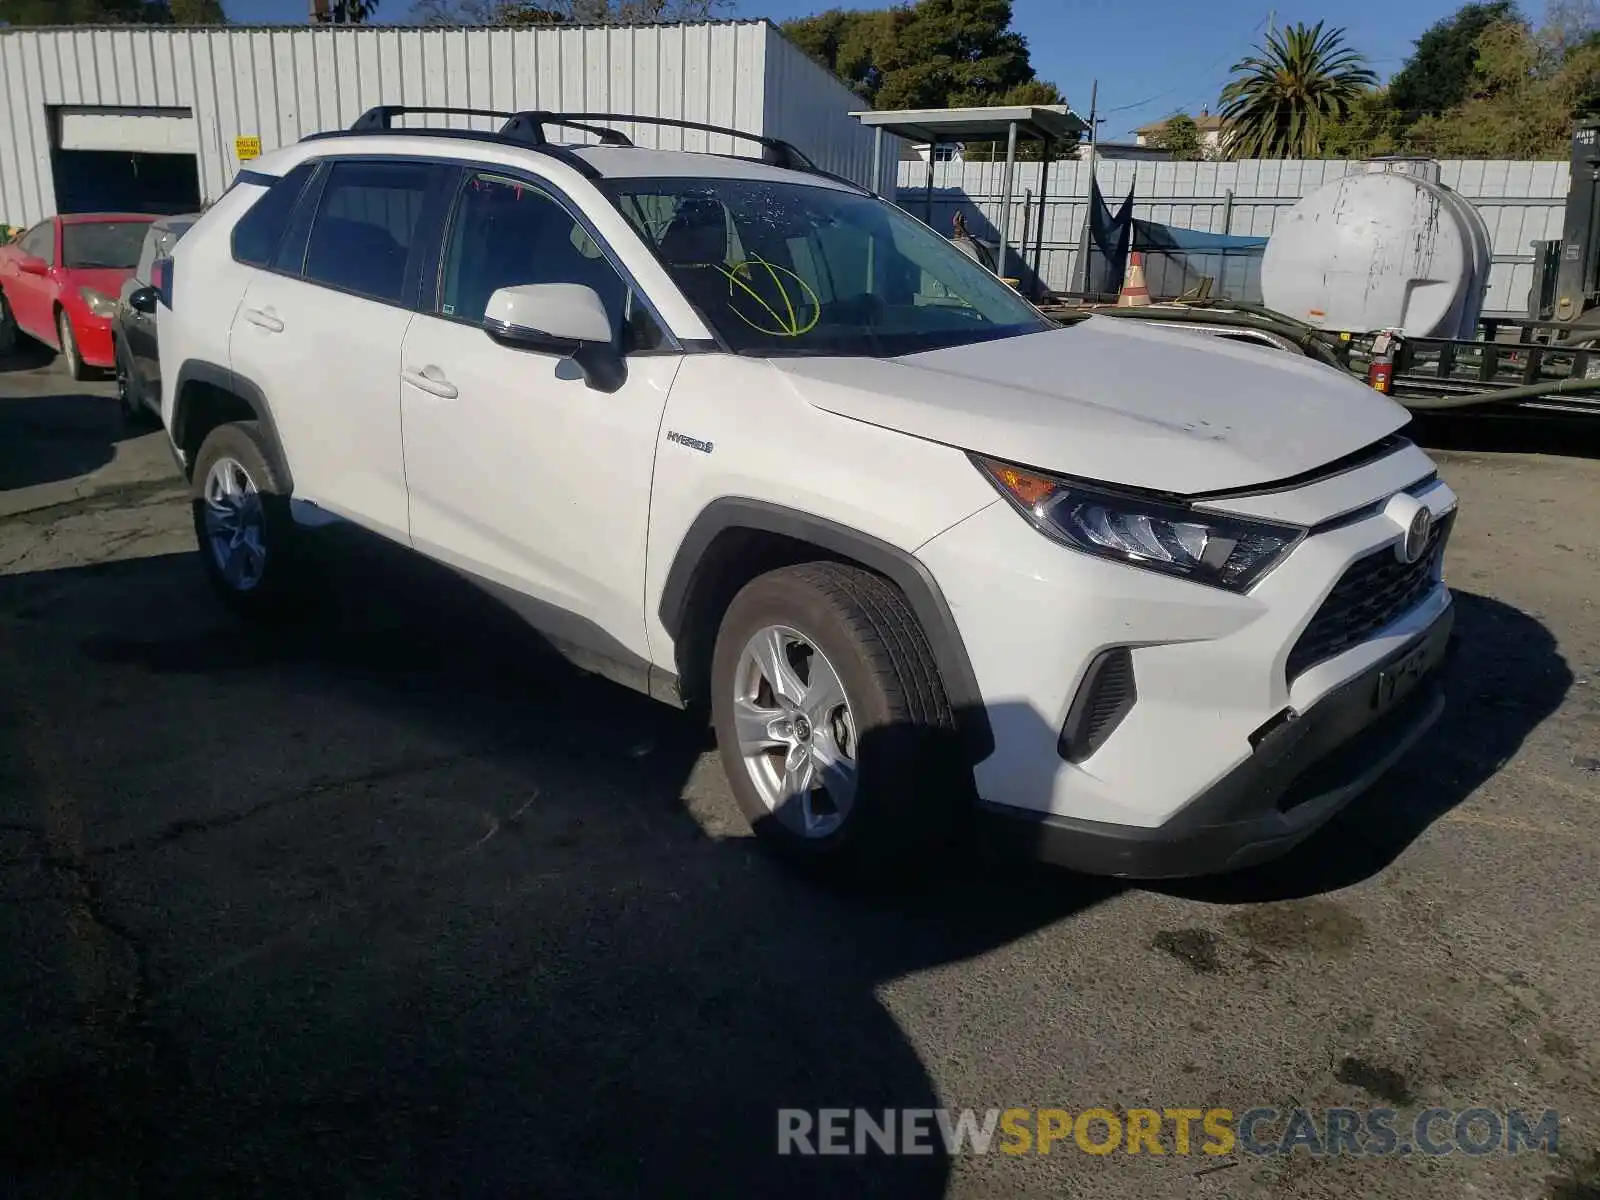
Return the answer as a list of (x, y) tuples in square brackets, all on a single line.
[(69, 346), (796, 733), (234, 525)]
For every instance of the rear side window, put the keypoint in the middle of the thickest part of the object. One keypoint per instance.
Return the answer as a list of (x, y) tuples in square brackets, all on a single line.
[(363, 230), (258, 232)]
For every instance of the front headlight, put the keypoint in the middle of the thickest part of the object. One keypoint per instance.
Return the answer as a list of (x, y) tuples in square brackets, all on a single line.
[(1145, 532), (100, 304)]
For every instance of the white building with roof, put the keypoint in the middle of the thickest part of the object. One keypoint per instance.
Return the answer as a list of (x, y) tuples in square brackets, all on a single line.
[(159, 119)]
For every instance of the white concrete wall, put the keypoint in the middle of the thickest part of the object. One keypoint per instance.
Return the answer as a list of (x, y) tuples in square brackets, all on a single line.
[(1521, 202), (279, 84)]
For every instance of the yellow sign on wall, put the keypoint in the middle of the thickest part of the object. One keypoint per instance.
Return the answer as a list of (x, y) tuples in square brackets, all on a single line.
[(247, 147)]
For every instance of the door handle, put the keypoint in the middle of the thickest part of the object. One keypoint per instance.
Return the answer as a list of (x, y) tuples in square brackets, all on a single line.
[(264, 319), (432, 381)]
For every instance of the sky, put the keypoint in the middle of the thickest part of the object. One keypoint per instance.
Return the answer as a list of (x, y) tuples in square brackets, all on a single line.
[(1152, 57)]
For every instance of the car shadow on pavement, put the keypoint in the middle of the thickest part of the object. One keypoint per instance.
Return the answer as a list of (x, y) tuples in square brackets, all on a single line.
[(27, 355), (67, 435), (412, 908), (1506, 678)]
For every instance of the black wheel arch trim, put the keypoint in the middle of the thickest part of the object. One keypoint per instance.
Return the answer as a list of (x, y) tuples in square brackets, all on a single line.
[(220, 377), (901, 568)]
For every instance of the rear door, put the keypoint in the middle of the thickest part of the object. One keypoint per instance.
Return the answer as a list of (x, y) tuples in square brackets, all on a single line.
[(320, 330), (139, 329)]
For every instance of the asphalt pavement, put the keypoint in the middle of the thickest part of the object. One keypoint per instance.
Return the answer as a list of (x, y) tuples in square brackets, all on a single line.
[(390, 902)]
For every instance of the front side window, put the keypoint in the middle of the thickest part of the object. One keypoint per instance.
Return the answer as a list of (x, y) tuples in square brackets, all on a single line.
[(795, 268), (40, 242), (362, 232), (109, 245), (506, 233)]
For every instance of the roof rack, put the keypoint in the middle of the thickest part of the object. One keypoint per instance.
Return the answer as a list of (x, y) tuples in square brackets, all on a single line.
[(381, 120), (774, 151), (526, 129)]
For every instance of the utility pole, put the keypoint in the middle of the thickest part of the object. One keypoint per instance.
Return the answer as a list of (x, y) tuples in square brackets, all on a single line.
[(1081, 273)]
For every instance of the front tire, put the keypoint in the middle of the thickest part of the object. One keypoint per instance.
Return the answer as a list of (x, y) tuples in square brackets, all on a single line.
[(248, 540), (134, 413), (833, 724), (69, 348)]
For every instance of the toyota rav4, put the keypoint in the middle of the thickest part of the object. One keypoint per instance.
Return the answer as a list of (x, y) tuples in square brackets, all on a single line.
[(742, 435)]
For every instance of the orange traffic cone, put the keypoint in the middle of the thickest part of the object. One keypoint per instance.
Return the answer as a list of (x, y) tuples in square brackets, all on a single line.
[(1134, 293)]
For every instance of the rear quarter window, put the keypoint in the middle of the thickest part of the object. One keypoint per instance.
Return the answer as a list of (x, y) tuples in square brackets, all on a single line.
[(258, 232)]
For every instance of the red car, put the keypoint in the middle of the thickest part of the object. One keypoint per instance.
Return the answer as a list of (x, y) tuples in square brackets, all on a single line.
[(59, 283)]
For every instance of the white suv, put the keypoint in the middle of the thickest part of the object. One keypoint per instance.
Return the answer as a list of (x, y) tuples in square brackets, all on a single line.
[(740, 434)]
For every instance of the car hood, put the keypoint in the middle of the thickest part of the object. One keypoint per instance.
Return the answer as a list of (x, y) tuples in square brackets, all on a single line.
[(1115, 400)]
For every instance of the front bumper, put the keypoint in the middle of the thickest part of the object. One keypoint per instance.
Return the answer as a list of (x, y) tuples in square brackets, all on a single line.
[(1303, 769), (93, 335)]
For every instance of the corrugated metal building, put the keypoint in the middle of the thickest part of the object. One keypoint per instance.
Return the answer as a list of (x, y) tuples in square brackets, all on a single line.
[(158, 118)]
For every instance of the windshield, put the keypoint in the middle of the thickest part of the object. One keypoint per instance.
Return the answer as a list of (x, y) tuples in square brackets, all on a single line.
[(789, 268), (111, 244)]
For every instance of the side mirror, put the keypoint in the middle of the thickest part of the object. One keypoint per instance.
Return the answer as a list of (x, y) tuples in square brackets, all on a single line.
[(144, 300), (558, 318), (33, 266)]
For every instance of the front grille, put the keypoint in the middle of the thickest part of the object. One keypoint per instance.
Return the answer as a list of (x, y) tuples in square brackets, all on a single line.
[(1375, 590)]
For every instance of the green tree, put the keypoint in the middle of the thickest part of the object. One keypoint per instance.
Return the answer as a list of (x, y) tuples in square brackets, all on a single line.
[(1521, 101), (111, 12), (1284, 96), (1439, 71), (1370, 127), (845, 42), (927, 54), (1180, 137), (343, 12)]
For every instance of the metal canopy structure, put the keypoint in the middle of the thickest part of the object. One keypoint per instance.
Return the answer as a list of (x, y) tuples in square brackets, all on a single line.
[(1051, 125)]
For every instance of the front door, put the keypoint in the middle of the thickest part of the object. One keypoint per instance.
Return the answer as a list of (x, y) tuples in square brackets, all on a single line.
[(138, 329), (32, 297), (519, 472)]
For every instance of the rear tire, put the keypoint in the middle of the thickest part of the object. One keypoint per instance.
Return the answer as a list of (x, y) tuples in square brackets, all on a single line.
[(69, 348), (248, 541), (860, 710)]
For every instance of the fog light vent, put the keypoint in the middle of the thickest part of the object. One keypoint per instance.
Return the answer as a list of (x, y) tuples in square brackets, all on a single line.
[(1106, 695)]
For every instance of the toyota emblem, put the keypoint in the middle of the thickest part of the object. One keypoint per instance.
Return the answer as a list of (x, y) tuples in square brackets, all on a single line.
[(1411, 547)]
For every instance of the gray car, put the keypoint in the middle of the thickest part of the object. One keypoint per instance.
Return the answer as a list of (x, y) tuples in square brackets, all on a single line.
[(133, 333)]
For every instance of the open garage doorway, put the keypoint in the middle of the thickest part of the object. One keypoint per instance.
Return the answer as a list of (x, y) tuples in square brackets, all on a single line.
[(125, 160)]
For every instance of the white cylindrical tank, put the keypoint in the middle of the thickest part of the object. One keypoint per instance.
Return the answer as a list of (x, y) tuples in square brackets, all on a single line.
[(1387, 248)]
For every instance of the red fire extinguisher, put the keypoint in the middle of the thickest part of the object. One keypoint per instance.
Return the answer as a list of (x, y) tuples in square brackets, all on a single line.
[(1380, 367)]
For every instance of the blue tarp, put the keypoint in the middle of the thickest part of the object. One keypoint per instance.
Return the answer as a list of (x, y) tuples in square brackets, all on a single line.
[(1150, 235)]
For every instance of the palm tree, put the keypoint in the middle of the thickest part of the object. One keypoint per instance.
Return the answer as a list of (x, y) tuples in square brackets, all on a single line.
[(1285, 94)]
